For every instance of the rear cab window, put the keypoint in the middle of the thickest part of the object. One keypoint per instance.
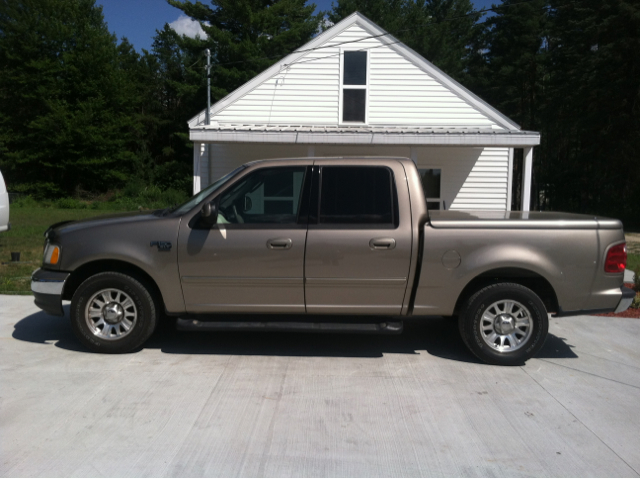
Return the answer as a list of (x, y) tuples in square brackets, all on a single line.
[(358, 196)]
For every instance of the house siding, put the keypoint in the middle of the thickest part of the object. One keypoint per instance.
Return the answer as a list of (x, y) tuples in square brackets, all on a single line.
[(472, 178), (308, 91)]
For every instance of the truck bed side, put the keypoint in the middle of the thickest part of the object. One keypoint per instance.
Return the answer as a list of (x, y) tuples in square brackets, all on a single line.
[(559, 258)]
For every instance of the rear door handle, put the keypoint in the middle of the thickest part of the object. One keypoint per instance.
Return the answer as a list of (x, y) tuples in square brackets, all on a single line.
[(279, 243), (382, 243)]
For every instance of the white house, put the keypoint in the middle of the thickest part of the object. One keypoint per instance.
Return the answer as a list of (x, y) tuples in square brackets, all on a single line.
[(356, 90)]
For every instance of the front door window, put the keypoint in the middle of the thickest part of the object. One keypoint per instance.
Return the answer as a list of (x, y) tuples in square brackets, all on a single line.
[(267, 196)]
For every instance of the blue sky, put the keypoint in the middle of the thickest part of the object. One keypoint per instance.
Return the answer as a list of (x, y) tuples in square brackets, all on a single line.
[(138, 20)]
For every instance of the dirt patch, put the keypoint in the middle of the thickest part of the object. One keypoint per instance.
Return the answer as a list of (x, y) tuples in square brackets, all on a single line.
[(629, 313)]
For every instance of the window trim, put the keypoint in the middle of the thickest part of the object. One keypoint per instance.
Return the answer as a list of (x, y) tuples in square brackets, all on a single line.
[(354, 87)]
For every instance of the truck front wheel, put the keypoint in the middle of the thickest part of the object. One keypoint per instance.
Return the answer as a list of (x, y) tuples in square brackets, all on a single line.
[(113, 313), (504, 323)]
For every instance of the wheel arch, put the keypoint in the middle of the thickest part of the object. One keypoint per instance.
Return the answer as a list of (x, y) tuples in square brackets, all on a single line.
[(85, 271), (524, 277)]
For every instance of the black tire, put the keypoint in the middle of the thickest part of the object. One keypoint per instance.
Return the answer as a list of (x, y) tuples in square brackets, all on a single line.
[(477, 330), (101, 336)]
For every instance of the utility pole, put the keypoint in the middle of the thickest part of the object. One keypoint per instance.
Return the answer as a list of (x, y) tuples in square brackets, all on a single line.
[(208, 115)]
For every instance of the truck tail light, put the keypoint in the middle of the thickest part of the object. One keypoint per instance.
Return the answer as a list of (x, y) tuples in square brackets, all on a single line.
[(616, 260)]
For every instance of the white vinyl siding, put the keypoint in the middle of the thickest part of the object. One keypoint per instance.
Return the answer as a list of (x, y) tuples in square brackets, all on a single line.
[(308, 92), (302, 94), (472, 178), (226, 157), (401, 93)]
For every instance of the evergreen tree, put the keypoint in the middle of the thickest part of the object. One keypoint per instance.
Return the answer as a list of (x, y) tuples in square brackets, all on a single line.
[(511, 70), (247, 36), (592, 113), (64, 110), (177, 94)]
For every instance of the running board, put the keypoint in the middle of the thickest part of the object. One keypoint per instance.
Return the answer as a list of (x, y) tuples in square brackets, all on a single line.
[(393, 327)]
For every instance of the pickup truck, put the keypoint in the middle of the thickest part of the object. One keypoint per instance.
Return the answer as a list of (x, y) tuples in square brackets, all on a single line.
[(330, 244)]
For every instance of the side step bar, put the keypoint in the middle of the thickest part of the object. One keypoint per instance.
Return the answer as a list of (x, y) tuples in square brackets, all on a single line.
[(389, 327)]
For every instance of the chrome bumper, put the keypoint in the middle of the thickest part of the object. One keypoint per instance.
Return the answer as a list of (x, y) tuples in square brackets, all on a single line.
[(626, 300), (47, 287)]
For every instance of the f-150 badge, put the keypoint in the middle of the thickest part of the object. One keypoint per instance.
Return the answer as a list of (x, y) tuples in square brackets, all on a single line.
[(162, 245)]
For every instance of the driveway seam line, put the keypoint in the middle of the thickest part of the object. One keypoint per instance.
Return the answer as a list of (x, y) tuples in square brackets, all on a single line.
[(606, 359), (587, 372), (578, 419)]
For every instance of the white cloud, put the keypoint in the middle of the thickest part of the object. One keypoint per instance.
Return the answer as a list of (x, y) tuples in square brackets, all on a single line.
[(185, 25), (325, 24)]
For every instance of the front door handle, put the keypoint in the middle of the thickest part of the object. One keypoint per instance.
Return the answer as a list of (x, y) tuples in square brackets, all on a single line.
[(382, 243), (279, 243)]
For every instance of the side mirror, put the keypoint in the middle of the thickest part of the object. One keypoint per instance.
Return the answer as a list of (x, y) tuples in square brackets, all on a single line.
[(209, 212)]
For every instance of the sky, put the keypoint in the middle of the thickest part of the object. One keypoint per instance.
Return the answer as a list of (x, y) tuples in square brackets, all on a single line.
[(138, 20)]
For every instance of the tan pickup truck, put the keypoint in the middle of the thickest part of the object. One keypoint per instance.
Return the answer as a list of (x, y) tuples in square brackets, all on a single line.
[(330, 244)]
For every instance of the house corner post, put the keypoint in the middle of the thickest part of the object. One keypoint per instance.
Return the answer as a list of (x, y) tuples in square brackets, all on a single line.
[(526, 178), (510, 181), (197, 157), (210, 178)]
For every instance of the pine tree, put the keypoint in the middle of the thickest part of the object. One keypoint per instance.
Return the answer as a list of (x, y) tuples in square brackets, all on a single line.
[(177, 94), (247, 36), (592, 114), (512, 76), (64, 111)]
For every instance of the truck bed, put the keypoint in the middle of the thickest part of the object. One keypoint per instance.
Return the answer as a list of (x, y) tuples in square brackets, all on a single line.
[(520, 220)]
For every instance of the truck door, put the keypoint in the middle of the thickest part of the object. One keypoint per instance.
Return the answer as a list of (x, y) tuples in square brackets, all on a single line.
[(252, 260), (359, 238)]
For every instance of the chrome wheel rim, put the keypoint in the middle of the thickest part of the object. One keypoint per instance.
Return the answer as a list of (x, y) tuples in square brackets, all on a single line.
[(111, 314), (506, 326)]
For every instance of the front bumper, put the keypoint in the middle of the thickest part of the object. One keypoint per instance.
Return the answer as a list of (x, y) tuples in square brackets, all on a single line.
[(626, 300), (47, 287)]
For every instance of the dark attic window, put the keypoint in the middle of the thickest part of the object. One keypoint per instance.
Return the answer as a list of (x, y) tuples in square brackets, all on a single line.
[(355, 68), (354, 87), (353, 104)]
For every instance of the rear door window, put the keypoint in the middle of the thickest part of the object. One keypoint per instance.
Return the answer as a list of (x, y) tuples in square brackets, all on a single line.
[(357, 195)]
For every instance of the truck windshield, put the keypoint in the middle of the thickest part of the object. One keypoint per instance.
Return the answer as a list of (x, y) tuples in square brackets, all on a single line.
[(183, 208)]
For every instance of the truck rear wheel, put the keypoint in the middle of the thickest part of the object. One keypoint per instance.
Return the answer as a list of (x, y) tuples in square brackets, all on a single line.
[(113, 313), (504, 323)]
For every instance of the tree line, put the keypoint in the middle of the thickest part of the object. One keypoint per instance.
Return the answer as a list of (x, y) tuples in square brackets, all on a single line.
[(81, 111)]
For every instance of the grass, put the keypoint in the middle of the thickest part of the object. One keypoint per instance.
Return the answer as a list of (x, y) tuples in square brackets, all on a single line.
[(26, 236), (633, 255)]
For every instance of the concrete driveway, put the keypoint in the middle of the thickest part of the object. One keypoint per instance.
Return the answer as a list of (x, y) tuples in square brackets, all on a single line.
[(284, 404)]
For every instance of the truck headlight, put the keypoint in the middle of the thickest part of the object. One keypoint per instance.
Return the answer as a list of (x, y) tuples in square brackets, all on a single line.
[(51, 254)]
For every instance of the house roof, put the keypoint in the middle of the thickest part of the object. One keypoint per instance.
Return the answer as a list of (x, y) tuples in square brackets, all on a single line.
[(216, 132), (364, 134)]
